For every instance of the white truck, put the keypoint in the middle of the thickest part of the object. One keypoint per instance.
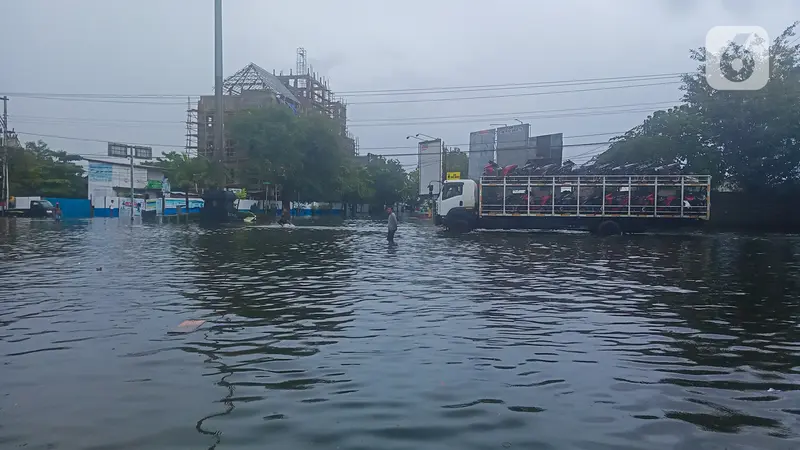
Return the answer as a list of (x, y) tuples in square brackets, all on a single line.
[(602, 204)]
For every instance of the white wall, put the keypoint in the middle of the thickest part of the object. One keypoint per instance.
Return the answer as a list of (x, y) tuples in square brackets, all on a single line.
[(107, 179), (121, 177)]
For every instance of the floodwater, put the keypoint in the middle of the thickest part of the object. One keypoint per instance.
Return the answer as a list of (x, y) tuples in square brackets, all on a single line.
[(329, 338)]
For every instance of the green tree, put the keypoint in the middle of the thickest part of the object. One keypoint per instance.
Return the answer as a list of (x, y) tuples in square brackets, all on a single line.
[(457, 161), (303, 155), (37, 170), (357, 185), (385, 180), (411, 188), (190, 174), (745, 138), (666, 137)]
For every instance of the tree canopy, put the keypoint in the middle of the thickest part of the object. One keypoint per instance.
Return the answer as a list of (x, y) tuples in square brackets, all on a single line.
[(388, 180), (745, 139), (37, 170), (188, 173), (303, 154), (456, 161)]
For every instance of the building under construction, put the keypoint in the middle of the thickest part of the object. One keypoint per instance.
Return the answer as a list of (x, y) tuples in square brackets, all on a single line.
[(252, 87)]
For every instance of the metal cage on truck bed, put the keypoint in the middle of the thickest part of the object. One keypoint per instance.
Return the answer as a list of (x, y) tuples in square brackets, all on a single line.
[(652, 196)]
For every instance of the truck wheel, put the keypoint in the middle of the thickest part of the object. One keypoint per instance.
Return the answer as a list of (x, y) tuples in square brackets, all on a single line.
[(609, 228)]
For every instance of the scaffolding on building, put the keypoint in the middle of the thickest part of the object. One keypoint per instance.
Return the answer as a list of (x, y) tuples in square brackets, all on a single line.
[(302, 89), (191, 129), (252, 77)]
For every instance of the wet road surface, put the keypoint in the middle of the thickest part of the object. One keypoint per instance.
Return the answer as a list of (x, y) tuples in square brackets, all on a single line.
[(329, 337)]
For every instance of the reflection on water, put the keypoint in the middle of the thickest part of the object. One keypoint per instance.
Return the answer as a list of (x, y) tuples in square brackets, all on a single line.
[(328, 337)]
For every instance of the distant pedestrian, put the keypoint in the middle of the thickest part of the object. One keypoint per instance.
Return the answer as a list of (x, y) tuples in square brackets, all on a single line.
[(392, 224), (57, 212)]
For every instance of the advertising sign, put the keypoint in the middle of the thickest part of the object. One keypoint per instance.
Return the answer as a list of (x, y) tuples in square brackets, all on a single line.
[(549, 148), (512, 145), (430, 166), (481, 150)]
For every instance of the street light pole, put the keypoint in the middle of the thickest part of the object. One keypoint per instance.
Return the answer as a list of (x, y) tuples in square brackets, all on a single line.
[(444, 163), (219, 107), (426, 135), (6, 170), (130, 153)]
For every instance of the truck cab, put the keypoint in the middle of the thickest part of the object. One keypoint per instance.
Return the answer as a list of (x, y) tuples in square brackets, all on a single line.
[(30, 207), (458, 204)]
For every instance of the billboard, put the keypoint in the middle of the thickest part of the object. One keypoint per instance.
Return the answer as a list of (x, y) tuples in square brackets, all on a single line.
[(430, 166), (512, 145), (100, 173), (549, 148), (481, 150), (122, 151)]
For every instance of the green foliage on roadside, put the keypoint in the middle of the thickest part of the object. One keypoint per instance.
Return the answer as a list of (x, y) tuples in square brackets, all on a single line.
[(37, 170), (191, 174), (749, 140), (457, 161), (304, 155)]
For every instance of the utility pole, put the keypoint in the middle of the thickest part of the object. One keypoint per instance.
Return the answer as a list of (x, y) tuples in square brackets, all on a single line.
[(6, 169), (219, 107), (444, 164), (130, 150), (119, 150)]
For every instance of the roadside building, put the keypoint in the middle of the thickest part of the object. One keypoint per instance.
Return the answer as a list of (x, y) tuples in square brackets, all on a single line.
[(109, 179)]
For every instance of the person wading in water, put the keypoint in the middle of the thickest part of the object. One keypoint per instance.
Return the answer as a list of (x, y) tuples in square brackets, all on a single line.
[(392, 224)]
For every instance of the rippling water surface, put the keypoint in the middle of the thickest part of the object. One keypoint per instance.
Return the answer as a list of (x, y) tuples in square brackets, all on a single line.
[(327, 337)]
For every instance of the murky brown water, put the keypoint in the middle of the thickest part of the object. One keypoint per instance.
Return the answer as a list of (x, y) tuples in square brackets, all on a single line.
[(330, 338)]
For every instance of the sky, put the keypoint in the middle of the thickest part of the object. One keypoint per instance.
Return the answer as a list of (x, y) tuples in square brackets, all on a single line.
[(80, 73)]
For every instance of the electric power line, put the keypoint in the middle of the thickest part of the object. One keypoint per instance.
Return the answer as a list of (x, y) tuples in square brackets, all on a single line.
[(396, 121), (551, 116), (104, 141), (586, 144), (23, 117), (505, 86), (517, 113), (75, 98), (373, 92), (522, 94), (100, 100)]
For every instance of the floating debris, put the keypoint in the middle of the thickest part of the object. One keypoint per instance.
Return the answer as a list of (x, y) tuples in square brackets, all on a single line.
[(188, 326)]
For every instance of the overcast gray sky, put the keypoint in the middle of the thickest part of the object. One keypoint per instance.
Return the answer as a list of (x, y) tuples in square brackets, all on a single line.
[(166, 47)]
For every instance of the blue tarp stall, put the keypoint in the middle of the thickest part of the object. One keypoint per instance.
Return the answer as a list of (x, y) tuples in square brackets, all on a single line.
[(73, 208)]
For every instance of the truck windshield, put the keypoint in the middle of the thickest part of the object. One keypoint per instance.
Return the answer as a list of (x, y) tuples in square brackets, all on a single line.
[(452, 189), (46, 204)]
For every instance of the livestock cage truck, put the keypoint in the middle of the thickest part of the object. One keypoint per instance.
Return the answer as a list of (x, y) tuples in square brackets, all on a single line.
[(601, 204)]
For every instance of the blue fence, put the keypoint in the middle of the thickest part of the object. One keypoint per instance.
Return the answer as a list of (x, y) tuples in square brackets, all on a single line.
[(106, 212), (73, 208)]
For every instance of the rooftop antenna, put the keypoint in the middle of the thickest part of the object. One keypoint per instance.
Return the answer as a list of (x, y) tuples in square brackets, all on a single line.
[(302, 66), (301, 60)]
